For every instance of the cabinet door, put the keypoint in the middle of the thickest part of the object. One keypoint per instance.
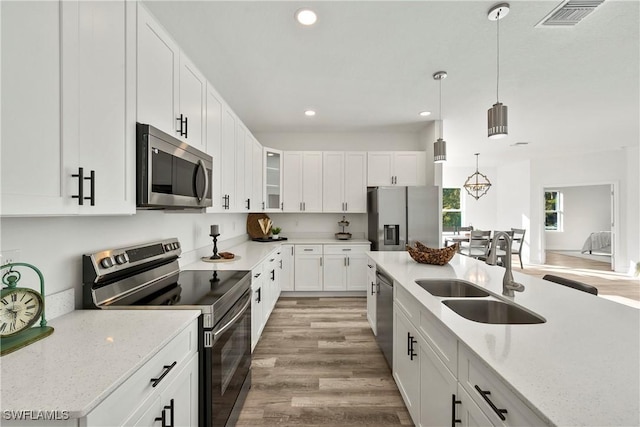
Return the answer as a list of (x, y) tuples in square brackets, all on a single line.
[(193, 90), (272, 178), (250, 204), (180, 398), (406, 364), (334, 273), (356, 272), (152, 411), (409, 168), (158, 71), (257, 199), (379, 168), (437, 389), (333, 177), (228, 158), (105, 128), (240, 197), (372, 294), (214, 146), (468, 412), (312, 182), (292, 178), (257, 304), (286, 276), (32, 105), (308, 273), (355, 184)]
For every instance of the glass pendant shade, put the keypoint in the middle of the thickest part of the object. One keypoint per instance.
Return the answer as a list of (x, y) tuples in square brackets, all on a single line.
[(440, 151), (497, 121)]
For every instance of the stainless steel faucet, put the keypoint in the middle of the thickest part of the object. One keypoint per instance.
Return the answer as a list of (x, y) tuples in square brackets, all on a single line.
[(508, 284)]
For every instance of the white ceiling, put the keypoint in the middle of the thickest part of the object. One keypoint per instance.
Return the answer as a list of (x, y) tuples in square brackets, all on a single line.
[(367, 66)]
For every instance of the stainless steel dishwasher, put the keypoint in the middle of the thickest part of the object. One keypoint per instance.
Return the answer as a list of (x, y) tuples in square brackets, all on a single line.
[(384, 316)]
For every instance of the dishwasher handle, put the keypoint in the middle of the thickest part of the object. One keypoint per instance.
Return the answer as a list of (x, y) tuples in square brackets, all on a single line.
[(382, 279)]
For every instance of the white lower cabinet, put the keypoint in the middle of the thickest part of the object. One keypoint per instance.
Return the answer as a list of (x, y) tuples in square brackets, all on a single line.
[(468, 412), (287, 268), (257, 305), (308, 267), (344, 267), (265, 284), (372, 295), (406, 362)]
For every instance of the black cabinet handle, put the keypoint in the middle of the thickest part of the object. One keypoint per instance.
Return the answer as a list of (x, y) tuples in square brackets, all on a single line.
[(454, 402), (372, 285), (92, 181), (80, 176), (186, 127), (180, 122), (273, 275), (248, 204), (167, 369), (262, 205), (410, 350), (163, 418), (280, 264), (485, 395), (259, 295)]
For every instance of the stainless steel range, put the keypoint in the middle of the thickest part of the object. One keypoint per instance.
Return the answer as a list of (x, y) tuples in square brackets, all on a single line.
[(148, 276)]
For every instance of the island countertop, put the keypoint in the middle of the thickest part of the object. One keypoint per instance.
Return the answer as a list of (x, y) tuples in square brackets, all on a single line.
[(580, 367), (89, 354)]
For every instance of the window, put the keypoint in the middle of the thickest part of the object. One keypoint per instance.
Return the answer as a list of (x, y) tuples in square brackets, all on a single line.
[(451, 209), (552, 211)]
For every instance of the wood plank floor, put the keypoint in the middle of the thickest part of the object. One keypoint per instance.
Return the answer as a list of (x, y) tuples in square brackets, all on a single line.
[(318, 364), (595, 273)]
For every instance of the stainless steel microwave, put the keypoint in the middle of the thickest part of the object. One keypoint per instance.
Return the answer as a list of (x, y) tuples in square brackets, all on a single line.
[(170, 174)]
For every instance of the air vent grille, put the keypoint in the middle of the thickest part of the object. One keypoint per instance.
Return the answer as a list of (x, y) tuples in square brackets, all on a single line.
[(569, 13)]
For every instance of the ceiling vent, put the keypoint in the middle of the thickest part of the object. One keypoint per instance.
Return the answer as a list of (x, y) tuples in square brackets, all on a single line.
[(569, 13)]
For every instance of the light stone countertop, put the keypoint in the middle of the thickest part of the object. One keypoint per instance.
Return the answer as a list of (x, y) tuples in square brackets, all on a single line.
[(89, 354), (250, 253), (580, 368)]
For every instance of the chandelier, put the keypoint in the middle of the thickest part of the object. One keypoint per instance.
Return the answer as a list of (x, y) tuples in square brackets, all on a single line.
[(477, 184)]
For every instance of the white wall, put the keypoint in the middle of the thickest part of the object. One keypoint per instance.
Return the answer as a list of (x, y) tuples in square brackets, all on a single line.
[(318, 224), (55, 245), (481, 213), (514, 200), (585, 209), (342, 141)]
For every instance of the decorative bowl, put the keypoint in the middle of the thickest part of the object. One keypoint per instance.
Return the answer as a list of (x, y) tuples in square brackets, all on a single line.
[(434, 256)]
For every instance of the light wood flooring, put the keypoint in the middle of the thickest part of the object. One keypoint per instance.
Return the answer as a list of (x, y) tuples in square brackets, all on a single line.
[(595, 273), (318, 364)]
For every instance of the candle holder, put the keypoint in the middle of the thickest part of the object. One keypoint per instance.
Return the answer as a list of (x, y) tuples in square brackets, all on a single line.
[(215, 246)]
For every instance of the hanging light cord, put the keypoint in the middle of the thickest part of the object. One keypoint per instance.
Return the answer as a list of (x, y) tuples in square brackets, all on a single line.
[(498, 56), (440, 111)]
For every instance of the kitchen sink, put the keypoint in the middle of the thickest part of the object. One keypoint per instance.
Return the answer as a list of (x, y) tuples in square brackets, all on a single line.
[(451, 288), (494, 312)]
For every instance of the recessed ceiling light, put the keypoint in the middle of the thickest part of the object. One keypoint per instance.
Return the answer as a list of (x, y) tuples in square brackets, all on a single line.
[(306, 16), (309, 113), (425, 113)]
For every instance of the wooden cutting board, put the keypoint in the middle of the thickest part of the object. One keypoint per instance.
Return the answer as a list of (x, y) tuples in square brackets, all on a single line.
[(253, 228)]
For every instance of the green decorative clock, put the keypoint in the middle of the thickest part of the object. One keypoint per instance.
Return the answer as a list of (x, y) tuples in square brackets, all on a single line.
[(20, 309)]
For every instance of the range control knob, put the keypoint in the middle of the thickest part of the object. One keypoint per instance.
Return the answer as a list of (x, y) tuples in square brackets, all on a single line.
[(177, 245), (106, 262), (121, 259), (167, 246)]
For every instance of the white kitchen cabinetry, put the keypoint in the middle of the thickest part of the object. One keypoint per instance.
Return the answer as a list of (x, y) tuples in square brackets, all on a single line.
[(214, 146), (171, 375), (345, 267), (171, 91), (228, 156), (240, 179), (344, 181), (287, 273), (302, 179), (406, 362), (372, 295), (272, 179), (257, 305), (406, 168), (249, 202), (257, 196), (308, 267), (53, 70), (468, 412)]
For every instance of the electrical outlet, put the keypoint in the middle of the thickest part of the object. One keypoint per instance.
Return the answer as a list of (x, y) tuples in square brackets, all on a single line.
[(9, 256)]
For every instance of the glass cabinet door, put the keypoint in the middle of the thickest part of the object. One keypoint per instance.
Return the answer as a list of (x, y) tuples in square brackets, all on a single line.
[(272, 179)]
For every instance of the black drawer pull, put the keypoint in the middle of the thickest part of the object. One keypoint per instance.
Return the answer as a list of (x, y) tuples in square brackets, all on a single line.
[(410, 350), (485, 394), (80, 176), (454, 402), (166, 368), (372, 288)]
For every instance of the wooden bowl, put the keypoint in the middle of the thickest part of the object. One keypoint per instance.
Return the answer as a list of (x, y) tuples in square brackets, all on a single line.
[(434, 256)]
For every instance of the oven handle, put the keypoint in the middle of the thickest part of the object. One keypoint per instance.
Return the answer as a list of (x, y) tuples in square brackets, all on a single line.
[(232, 321), (206, 180)]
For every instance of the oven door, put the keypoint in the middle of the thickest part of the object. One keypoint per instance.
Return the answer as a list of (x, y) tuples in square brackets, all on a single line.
[(226, 365)]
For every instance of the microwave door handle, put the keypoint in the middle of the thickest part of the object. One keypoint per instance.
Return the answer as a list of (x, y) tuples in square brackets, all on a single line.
[(206, 181)]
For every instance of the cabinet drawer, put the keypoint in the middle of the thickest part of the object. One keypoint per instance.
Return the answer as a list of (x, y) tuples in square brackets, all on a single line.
[(308, 249), (118, 406), (473, 374), (344, 249), (441, 340), (407, 303)]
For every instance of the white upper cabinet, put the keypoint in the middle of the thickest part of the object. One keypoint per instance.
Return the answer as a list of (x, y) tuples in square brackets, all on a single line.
[(214, 145), (228, 159), (272, 180), (386, 168), (257, 198), (250, 203), (302, 181), (171, 91), (240, 197), (53, 71), (344, 181)]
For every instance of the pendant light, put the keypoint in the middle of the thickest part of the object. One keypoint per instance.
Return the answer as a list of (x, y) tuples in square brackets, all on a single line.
[(477, 184), (440, 146), (497, 115)]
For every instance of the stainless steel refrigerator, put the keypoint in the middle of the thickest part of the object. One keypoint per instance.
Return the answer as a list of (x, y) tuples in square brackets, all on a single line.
[(401, 215)]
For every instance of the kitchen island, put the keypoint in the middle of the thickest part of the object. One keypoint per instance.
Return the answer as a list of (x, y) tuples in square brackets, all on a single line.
[(580, 367)]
